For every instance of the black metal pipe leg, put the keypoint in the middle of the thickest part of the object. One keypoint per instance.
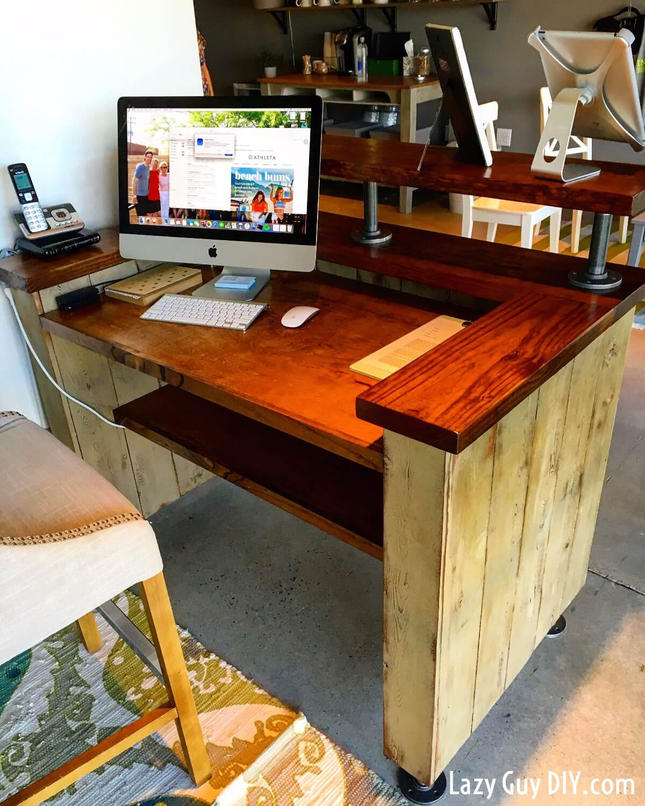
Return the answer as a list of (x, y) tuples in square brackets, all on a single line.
[(371, 234), (558, 628), (416, 792), (597, 277)]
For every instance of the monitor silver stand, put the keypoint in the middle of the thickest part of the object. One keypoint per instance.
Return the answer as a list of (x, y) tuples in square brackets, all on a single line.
[(559, 126), (208, 290)]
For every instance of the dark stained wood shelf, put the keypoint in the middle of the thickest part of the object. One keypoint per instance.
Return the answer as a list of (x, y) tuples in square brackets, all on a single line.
[(30, 273), (488, 270), (334, 493), (619, 189)]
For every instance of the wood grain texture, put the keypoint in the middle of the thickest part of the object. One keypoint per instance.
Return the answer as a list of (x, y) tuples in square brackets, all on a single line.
[(86, 375), (297, 381), (544, 456), (55, 408), (468, 491), (90, 632), (152, 466), (483, 550), (610, 375), (413, 554), (514, 436), (454, 393), (618, 189), (345, 498), (161, 621), (491, 271), (33, 274)]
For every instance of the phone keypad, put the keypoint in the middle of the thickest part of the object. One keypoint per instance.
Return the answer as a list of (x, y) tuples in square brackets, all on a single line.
[(34, 217)]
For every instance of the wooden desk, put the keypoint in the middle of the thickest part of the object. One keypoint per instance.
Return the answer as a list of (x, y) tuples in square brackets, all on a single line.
[(406, 92), (475, 473)]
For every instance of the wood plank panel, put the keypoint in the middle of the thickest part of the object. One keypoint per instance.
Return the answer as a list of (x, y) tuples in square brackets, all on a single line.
[(505, 521), (86, 375), (466, 505), (152, 466), (414, 484), (189, 474), (542, 475), (610, 375), (56, 413), (570, 468)]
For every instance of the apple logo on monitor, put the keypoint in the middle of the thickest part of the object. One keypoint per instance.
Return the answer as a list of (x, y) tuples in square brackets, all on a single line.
[(212, 251)]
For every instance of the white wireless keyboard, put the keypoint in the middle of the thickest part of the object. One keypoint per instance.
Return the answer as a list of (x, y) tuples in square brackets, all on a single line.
[(210, 312)]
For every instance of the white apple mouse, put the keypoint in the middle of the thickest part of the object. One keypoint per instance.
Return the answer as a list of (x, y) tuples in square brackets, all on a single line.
[(295, 317)]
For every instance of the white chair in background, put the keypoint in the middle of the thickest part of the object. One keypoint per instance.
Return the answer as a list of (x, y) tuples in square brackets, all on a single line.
[(501, 211), (582, 147)]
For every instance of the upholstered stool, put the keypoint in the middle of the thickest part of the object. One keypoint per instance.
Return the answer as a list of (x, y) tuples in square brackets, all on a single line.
[(68, 543)]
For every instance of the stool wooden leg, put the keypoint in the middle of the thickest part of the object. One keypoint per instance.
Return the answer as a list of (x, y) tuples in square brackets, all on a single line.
[(576, 225), (166, 640), (90, 632), (622, 229)]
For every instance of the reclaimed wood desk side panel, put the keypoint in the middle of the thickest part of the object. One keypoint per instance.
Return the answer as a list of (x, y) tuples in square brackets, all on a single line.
[(146, 474), (484, 550), (341, 497), (618, 189)]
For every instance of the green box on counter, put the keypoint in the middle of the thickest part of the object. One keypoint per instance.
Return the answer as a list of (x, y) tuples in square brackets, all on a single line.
[(384, 67)]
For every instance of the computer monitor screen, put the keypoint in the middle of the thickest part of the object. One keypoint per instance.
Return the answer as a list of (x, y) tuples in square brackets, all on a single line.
[(230, 181)]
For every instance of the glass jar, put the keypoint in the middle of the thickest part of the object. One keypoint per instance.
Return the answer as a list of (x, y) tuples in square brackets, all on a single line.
[(422, 63)]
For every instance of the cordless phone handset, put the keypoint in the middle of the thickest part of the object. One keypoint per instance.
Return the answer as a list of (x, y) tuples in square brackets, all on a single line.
[(28, 198)]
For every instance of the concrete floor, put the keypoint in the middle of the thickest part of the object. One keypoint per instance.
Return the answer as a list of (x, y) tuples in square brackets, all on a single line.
[(300, 613)]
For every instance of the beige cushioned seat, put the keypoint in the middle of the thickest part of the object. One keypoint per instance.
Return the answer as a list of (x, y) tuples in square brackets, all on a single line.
[(68, 540)]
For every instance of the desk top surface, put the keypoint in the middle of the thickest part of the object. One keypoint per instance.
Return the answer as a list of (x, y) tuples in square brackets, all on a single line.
[(299, 380)]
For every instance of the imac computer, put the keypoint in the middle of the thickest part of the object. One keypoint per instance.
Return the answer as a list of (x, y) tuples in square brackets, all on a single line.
[(230, 182), (592, 80), (459, 100)]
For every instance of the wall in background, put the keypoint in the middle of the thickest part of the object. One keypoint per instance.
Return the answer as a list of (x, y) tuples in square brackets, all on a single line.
[(62, 75), (504, 67)]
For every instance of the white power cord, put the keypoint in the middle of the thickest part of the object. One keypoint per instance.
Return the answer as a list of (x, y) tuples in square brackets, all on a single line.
[(46, 373)]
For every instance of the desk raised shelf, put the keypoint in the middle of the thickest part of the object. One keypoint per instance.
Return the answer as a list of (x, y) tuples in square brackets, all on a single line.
[(619, 189)]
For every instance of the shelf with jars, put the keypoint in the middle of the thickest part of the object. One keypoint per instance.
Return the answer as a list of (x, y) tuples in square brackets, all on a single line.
[(388, 8)]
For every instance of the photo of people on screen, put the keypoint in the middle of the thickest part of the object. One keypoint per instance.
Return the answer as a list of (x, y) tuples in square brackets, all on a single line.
[(231, 169)]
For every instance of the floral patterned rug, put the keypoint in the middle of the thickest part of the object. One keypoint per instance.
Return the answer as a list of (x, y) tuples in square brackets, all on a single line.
[(57, 700)]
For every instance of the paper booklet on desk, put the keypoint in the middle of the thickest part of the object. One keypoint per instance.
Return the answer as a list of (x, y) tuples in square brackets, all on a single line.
[(397, 354), (148, 286)]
